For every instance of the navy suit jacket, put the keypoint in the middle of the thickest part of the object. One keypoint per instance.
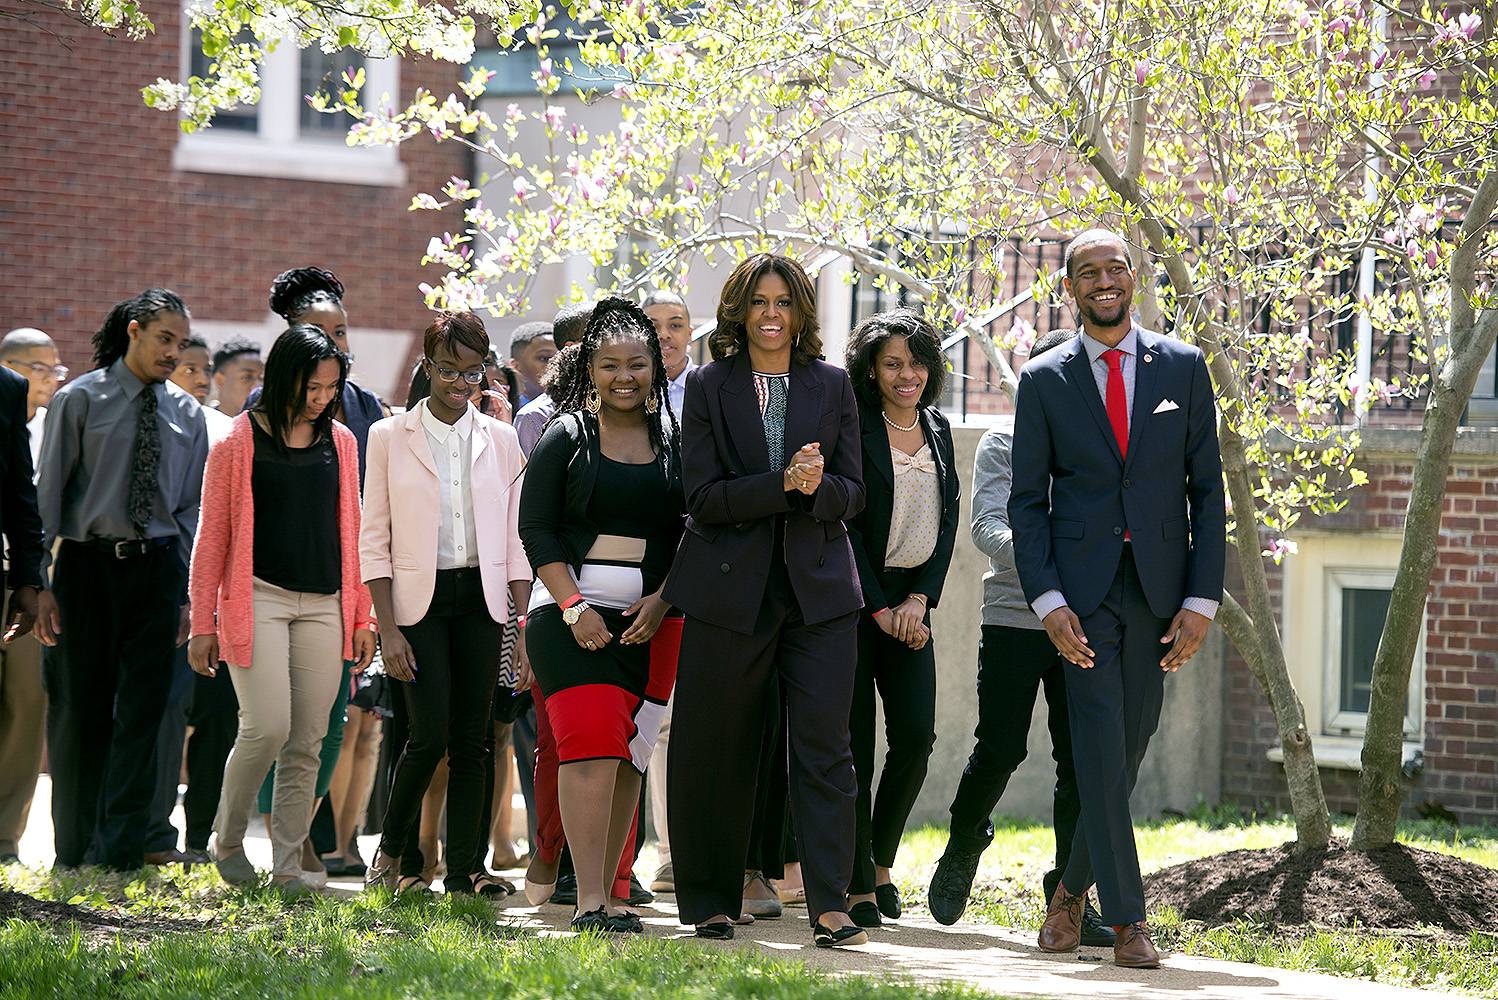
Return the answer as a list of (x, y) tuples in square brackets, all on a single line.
[(1074, 495), (734, 497)]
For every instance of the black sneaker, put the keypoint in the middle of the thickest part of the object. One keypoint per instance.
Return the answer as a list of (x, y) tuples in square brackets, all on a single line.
[(1095, 933), (952, 883), (565, 894), (638, 894)]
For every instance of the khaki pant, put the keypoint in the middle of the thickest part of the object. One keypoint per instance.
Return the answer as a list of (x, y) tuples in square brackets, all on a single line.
[(658, 790), (23, 716), (285, 696)]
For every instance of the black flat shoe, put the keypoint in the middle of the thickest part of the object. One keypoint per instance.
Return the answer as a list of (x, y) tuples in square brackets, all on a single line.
[(565, 893), (593, 920), (843, 937), (626, 923), (717, 930), (888, 898), (865, 914), (638, 894)]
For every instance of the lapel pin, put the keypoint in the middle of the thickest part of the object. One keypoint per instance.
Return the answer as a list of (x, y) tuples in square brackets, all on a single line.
[(1148, 358)]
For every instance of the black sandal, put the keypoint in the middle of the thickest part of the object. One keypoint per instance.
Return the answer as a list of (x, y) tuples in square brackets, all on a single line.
[(888, 898), (413, 885), (626, 923), (825, 937), (492, 886), (593, 920), (717, 930)]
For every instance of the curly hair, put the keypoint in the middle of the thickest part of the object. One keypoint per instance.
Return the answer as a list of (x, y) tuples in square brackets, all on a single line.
[(113, 338), (615, 319), (732, 336), (869, 338), (299, 289)]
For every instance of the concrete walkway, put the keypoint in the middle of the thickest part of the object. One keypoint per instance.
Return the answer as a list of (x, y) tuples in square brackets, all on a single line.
[(995, 959)]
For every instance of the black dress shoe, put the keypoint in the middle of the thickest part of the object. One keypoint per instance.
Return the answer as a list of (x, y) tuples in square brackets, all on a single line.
[(1095, 933), (626, 923), (952, 883), (888, 898), (565, 894), (638, 894), (593, 920), (865, 914), (717, 930)]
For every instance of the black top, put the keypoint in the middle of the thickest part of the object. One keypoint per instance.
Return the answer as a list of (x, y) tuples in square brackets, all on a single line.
[(295, 492), (561, 479), (635, 501), (19, 520)]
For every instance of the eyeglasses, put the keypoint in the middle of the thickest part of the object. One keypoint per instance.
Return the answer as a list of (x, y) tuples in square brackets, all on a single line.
[(59, 372), (448, 375)]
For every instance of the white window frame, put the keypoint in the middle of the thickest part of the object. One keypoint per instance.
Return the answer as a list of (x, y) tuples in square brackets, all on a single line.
[(1335, 721), (277, 147)]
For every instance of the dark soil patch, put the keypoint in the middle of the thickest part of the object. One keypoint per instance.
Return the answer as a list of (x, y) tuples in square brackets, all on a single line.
[(1394, 887), (93, 923)]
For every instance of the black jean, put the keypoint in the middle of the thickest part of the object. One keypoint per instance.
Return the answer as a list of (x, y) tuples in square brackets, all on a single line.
[(1114, 708), (107, 686), (723, 696), (905, 682), (214, 718), (448, 709), (1013, 665)]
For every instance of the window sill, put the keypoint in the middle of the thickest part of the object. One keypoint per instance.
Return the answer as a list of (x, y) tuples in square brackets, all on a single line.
[(332, 163), (1342, 753)]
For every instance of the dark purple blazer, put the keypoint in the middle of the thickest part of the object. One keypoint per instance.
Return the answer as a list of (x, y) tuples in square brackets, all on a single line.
[(734, 497)]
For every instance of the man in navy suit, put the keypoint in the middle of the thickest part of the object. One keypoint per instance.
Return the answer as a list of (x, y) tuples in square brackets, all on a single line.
[(1119, 538)]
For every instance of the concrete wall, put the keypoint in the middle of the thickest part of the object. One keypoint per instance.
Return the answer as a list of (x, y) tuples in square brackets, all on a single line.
[(1184, 762)]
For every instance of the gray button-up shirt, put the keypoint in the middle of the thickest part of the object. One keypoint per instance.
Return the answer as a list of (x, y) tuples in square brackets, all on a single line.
[(89, 446)]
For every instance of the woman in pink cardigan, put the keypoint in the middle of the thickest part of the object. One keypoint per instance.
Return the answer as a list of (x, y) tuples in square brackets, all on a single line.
[(276, 591)]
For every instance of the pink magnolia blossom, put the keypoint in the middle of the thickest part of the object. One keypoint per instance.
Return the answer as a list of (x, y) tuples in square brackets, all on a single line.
[(554, 222), (1141, 71), (1378, 62), (1432, 257), (1280, 548), (590, 189), (1338, 25), (522, 189), (513, 114), (1469, 24), (1230, 194), (1427, 79), (543, 70), (553, 116)]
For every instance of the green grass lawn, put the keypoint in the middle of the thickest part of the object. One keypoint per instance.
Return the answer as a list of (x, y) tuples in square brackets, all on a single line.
[(1008, 892), (370, 948)]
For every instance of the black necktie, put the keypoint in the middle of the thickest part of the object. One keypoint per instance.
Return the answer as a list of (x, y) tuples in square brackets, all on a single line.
[(143, 464)]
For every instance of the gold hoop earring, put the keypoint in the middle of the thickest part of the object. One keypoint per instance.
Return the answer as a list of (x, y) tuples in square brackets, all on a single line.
[(593, 403), (652, 405)]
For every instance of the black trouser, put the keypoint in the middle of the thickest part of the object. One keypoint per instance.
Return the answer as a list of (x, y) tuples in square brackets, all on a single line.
[(107, 686), (718, 724), (1013, 664), (905, 680), (160, 834), (448, 708), (214, 719), (767, 831), (1114, 708), (523, 738)]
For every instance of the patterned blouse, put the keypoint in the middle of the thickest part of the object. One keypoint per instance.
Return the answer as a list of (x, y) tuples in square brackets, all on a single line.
[(915, 519)]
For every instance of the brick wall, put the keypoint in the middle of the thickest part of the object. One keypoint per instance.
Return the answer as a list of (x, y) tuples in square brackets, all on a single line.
[(1461, 680), (91, 210)]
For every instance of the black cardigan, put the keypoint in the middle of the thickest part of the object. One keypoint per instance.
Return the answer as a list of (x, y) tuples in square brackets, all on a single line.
[(559, 480), (869, 531)]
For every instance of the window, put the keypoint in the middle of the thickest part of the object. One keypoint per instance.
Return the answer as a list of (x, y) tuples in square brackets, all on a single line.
[(1336, 595), (233, 119), (283, 136)]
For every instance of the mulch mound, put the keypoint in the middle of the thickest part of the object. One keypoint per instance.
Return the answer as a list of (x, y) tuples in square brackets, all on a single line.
[(1395, 887), (91, 922)]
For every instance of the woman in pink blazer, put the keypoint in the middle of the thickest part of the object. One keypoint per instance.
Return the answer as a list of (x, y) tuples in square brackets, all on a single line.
[(439, 546), (276, 591)]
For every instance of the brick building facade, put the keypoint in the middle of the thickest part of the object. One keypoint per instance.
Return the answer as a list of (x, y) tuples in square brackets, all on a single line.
[(103, 196)]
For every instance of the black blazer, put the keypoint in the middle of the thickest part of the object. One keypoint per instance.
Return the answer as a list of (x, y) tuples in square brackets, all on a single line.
[(870, 529), (19, 520), (559, 479), (734, 497)]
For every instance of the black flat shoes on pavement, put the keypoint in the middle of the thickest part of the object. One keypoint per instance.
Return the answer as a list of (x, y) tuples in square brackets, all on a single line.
[(716, 930), (842, 937)]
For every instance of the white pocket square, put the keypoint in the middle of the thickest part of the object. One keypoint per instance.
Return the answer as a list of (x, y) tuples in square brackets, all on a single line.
[(1166, 405)]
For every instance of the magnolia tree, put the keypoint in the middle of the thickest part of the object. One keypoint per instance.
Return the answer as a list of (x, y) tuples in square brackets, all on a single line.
[(1267, 158)]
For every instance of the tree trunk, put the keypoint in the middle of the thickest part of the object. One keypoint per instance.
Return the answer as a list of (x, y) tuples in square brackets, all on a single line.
[(1379, 790)]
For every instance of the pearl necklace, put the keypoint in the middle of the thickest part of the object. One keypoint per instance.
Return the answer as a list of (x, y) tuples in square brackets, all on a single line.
[(904, 430)]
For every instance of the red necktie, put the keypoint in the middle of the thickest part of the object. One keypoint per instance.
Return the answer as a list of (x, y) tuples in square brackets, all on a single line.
[(1117, 400)]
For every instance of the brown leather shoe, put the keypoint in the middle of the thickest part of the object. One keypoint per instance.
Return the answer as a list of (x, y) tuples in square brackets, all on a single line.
[(1062, 930), (1134, 950)]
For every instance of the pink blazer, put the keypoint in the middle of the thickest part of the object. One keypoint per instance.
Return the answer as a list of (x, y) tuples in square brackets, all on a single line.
[(221, 581), (399, 537)]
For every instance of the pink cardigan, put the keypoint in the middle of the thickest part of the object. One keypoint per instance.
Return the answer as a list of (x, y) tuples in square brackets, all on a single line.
[(221, 582)]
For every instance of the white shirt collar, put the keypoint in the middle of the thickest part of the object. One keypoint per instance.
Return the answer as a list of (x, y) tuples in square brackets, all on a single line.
[(440, 430), (680, 381), (1095, 348)]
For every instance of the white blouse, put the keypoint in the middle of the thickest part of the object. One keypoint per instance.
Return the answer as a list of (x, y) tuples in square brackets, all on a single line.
[(915, 519)]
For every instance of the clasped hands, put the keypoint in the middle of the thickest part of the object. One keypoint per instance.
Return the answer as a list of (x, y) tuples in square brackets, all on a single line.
[(1185, 635), (906, 622), (804, 474)]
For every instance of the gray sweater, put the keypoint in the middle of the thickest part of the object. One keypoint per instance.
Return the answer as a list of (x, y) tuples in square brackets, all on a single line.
[(1003, 599)]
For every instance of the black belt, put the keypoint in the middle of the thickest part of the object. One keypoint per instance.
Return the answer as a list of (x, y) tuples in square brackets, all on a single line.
[(129, 548)]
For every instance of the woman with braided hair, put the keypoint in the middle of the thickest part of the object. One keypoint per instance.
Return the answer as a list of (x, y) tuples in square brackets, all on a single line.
[(601, 516)]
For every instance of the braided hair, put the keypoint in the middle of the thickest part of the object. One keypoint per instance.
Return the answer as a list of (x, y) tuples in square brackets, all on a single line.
[(615, 319), (113, 338), (299, 289)]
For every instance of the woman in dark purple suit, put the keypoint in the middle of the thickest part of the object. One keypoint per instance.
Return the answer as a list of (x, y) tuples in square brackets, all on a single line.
[(771, 465)]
